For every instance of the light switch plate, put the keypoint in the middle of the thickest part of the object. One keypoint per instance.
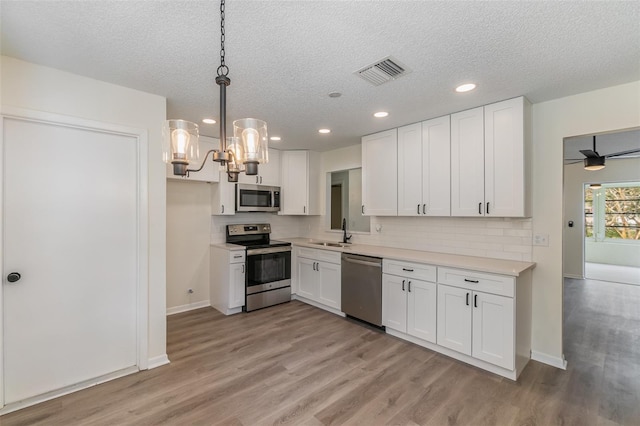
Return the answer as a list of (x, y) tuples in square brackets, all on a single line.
[(541, 240)]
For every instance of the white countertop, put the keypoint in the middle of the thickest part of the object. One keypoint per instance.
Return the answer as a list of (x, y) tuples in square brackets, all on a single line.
[(228, 246), (480, 264)]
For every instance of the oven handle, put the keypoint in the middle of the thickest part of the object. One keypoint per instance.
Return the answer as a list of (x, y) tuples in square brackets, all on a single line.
[(269, 250)]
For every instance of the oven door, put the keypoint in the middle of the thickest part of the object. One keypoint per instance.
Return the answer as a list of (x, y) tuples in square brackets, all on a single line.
[(268, 269), (257, 198)]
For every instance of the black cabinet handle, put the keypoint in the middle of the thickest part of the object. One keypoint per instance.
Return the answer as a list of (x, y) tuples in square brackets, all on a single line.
[(363, 209), (304, 209), (471, 281), (479, 208), (467, 299), (222, 209), (403, 284), (407, 269), (409, 286), (487, 207), (423, 209), (243, 269), (475, 300)]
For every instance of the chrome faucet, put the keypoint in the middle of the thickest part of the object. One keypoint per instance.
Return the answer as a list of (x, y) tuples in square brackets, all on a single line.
[(345, 238)]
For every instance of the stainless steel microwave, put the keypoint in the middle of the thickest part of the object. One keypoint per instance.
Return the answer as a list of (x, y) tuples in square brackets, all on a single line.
[(257, 198)]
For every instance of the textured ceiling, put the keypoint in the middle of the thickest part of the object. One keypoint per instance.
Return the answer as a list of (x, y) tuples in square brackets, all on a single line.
[(286, 56)]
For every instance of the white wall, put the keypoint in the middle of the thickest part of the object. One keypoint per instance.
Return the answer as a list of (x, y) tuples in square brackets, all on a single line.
[(188, 223), (575, 176), (34, 87), (607, 109)]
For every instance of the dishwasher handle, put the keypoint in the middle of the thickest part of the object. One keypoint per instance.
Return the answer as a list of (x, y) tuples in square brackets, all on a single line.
[(349, 259)]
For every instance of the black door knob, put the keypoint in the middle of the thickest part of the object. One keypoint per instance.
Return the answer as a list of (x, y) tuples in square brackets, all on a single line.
[(13, 277)]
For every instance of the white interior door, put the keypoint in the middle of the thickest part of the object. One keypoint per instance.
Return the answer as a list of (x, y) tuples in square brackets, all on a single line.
[(70, 211)]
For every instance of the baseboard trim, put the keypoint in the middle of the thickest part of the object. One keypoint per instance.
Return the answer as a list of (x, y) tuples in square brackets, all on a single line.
[(188, 307), (10, 408), (554, 361), (574, 276), (158, 361)]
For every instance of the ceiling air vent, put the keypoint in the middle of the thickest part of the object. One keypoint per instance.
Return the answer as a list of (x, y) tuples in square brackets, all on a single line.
[(385, 70)]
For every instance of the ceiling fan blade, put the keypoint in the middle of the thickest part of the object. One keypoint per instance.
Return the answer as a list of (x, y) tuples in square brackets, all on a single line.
[(572, 161), (589, 153), (617, 154)]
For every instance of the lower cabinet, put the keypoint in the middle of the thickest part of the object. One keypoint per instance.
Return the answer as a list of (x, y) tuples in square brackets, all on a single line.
[(227, 285), (318, 274), (476, 323), (409, 304)]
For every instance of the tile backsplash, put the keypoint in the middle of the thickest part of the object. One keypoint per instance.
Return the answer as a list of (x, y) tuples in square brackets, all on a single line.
[(498, 238)]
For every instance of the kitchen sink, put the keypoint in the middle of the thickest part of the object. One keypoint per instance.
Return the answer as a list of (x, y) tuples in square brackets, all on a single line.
[(326, 244)]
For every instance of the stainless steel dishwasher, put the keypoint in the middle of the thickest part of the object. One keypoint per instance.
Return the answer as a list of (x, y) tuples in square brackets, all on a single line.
[(362, 288)]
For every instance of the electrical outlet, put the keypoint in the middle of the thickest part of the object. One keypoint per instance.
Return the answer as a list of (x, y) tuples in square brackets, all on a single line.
[(541, 240)]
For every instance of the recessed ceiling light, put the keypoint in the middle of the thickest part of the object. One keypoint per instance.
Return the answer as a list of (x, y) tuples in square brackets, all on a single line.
[(209, 121), (275, 138), (324, 131), (335, 94), (465, 87), (381, 114)]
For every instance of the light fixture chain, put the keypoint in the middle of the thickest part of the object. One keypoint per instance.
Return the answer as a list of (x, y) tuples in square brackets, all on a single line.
[(222, 69)]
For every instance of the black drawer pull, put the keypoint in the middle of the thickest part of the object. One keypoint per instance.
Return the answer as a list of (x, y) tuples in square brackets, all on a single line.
[(471, 281), (407, 269)]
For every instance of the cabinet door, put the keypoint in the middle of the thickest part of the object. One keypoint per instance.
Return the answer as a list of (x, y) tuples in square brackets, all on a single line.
[(209, 172), (422, 299), (394, 302), (454, 318), (237, 285), (436, 166), (493, 329), (467, 163), (295, 183), (223, 197), (307, 278), (380, 174), (410, 170), (504, 158), (270, 172), (329, 290)]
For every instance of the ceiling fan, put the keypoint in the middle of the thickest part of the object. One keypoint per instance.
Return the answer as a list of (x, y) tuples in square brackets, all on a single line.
[(595, 161)]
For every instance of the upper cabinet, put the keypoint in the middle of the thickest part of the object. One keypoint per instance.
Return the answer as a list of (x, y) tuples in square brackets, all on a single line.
[(423, 168), (209, 172), (268, 174), (489, 171), (380, 174), (300, 183)]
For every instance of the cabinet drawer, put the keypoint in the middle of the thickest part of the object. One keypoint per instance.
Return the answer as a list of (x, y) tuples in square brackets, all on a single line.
[(309, 253), (418, 271), (237, 256), (489, 283)]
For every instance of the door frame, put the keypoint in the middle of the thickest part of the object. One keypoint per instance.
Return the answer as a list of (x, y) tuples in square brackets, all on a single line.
[(142, 237)]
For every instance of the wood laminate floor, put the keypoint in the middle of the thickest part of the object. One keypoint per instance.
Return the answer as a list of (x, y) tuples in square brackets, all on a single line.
[(296, 364)]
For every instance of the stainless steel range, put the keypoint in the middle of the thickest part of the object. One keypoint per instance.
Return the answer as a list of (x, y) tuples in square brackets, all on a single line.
[(268, 265)]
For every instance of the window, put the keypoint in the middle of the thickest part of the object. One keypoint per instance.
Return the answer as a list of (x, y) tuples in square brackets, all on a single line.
[(612, 212)]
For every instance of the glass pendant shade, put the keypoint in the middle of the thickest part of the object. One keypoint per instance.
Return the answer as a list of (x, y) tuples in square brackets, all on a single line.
[(252, 134), (234, 147), (180, 144)]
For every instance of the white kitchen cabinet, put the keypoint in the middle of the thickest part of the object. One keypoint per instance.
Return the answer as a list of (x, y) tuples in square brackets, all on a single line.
[(209, 172), (227, 282), (477, 323), (380, 174), (409, 302), (318, 274), (300, 187), (489, 172), (223, 196), (424, 168), (268, 174)]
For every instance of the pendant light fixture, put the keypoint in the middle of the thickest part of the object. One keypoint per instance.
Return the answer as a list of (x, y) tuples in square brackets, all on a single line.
[(242, 152)]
